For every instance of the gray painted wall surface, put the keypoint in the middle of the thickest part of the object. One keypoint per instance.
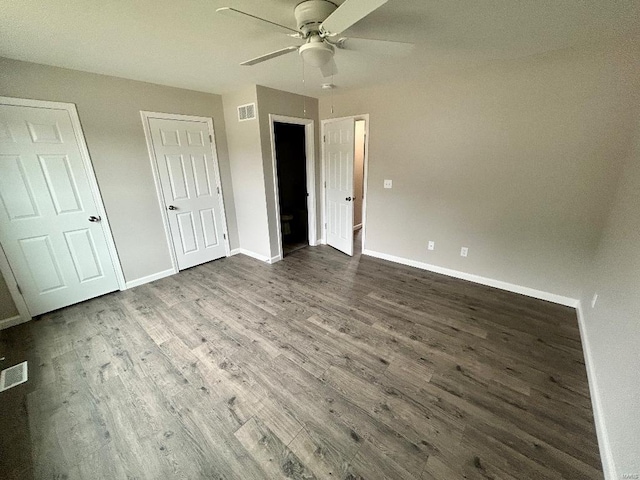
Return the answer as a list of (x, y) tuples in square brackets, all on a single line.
[(109, 110), (612, 328), (516, 161), (7, 307), (245, 153)]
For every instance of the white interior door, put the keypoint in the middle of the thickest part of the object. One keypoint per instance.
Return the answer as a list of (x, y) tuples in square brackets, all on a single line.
[(50, 228), (339, 151), (188, 175)]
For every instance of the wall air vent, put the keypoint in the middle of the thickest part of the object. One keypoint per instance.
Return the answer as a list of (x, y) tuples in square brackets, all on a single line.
[(246, 112), (12, 376)]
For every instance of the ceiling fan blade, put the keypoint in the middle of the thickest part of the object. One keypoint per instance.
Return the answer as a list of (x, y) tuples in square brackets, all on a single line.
[(381, 47), (269, 56), (240, 15), (329, 68), (347, 14)]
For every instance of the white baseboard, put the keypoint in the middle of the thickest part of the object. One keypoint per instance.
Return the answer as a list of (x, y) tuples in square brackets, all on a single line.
[(510, 287), (255, 255), (601, 430), (251, 254), (12, 321), (275, 259), (357, 227), (150, 278)]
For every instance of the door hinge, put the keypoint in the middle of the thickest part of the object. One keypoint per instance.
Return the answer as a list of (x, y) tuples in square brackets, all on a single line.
[(19, 289), (325, 226), (325, 184), (224, 235), (211, 138), (324, 138), (218, 188)]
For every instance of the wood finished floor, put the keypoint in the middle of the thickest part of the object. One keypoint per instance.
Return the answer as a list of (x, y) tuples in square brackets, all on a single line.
[(320, 366)]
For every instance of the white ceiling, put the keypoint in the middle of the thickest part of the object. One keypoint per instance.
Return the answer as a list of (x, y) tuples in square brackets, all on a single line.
[(184, 43)]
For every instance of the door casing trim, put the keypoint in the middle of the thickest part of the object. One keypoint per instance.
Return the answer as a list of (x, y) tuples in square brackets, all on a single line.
[(146, 116), (5, 268)]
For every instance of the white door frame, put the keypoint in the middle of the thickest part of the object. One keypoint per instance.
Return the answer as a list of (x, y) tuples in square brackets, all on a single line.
[(146, 117), (310, 155), (365, 117), (5, 269)]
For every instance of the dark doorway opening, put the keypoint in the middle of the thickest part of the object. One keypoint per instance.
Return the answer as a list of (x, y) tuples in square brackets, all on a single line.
[(291, 165)]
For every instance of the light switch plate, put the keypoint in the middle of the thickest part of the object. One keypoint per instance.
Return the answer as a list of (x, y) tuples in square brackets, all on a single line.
[(464, 251), (388, 183), (431, 246)]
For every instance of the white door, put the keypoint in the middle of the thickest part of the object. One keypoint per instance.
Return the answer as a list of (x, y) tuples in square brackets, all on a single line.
[(339, 151), (50, 228), (191, 191)]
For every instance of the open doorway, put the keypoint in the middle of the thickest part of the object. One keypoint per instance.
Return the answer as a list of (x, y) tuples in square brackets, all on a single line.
[(358, 180), (358, 173), (291, 167)]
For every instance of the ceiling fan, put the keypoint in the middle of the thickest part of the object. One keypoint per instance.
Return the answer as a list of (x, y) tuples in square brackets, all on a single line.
[(320, 23)]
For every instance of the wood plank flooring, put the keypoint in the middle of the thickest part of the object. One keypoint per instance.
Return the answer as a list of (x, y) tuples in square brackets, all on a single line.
[(320, 366)]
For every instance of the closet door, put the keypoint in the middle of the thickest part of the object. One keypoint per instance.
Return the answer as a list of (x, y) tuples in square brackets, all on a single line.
[(50, 228)]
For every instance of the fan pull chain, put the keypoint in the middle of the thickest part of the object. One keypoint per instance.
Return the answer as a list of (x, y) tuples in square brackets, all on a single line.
[(304, 93), (332, 93)]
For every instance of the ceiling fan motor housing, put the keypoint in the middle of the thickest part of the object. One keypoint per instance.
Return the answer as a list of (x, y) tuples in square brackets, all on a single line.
[(311, 13)]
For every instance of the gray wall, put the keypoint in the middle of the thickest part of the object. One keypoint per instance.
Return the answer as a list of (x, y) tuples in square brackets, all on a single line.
[(109, 110), (277, 102), (517, 161), (251, 162), (245, 154), (7, 307), (612, 328)]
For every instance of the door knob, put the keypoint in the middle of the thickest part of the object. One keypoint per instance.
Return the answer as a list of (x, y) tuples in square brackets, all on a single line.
[(348, 199), (95, 219), (171, 207)]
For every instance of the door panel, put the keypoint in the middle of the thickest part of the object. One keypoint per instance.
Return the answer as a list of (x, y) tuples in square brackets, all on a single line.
[(201, 175), (195, 138), (339, 153), (84, 255), (187, 231), (15, 190), (187, 171), (61, 183), (43, 263), (45, 132), (177, 177), (57, 256), (170, 137), (208, 219)]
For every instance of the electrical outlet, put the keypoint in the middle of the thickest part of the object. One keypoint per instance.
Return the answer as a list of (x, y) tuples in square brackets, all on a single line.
[(432, 245), (594, 300), (388, 183), (464, 251)]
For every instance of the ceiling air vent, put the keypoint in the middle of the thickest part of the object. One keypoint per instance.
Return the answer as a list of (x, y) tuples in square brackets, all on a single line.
[(247, 112)]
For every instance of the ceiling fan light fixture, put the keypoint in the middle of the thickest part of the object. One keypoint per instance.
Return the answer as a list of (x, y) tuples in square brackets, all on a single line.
[(316, 54)]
